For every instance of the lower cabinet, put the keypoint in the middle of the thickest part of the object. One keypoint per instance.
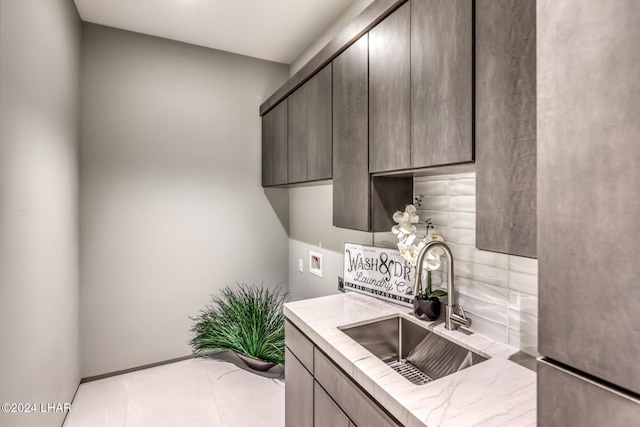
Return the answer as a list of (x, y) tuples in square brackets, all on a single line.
[(325, 411), (298, 392), (319, 394), (354, 402)]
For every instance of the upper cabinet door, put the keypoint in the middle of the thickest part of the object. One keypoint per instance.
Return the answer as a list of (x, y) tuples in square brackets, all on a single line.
[(390, 92), (588, 119), (441, 82), (319, 104), (351, 138), (297, 125), (310, 129), (506, 126), (274, 146)]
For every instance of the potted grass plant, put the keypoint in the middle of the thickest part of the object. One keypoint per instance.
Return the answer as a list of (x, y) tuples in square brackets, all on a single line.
[(245, 319)]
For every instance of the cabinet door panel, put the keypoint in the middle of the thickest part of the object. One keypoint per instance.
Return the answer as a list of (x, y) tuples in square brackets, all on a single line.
[(310, 129), (274, 146), (353, 401), (588, 180), (566, 399), (325, 411), (390, 93), (319, 155), (298, 135), (506, 126), (298, 393), (441, 82), (350, 138)]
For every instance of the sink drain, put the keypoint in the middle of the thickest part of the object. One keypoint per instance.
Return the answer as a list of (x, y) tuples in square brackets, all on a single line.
[(409, 371)]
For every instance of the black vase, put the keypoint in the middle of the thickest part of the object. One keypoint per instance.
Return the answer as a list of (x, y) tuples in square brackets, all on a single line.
[(426, 308)]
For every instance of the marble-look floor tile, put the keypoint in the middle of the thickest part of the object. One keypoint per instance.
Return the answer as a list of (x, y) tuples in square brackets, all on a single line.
[(194, 392), (174, 394), (245, 402), (100, 403)]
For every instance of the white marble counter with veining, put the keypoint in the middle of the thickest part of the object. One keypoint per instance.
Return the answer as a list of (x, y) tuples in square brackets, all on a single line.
[(493, 393)]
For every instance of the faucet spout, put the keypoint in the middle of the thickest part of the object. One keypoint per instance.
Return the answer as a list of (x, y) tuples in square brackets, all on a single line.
[(452, 319)]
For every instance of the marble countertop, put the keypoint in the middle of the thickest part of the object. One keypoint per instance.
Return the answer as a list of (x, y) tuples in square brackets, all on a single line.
[(494, 393)]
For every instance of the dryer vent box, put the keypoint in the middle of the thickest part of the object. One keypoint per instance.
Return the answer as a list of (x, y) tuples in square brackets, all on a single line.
[(315, 263)]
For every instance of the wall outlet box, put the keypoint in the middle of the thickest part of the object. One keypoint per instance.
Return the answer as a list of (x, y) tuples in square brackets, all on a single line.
[(315, 263), (340, 284), (300, 265)]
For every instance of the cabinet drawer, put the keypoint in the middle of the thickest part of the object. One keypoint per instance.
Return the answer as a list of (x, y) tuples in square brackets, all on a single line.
[(353, 401), (299, 345)]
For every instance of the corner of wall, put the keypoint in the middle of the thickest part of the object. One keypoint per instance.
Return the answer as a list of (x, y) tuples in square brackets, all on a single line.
[(347, 16)]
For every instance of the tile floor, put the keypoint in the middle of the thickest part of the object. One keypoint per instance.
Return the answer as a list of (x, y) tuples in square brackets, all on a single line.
[(193, 392)]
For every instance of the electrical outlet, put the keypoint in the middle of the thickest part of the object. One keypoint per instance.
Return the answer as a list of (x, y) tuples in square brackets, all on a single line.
[(340, 284), (300, 266)]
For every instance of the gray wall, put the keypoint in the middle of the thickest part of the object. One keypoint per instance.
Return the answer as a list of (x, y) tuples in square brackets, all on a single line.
[(172, 207), (311, 229), (39, 71)]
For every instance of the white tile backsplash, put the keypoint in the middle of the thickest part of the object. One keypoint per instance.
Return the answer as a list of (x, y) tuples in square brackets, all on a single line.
[(462, 220), (495, 295), (439, 203), (462, 187), (521, 321), (489, 329), (462, 203), (488, 311), (498, 291), (523, 265), (525, 342), (439, 187), (482, 273), (520, 301), (523, 282), (459, 235)]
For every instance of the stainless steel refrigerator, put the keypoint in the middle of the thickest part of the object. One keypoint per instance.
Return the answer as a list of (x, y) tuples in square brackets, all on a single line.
[(588, 113)]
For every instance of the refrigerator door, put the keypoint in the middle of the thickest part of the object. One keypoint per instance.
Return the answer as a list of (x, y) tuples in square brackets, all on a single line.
[(588, 187), (566, 399)]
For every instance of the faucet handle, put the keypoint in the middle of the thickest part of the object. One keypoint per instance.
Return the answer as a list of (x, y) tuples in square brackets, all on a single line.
[(456, 320)]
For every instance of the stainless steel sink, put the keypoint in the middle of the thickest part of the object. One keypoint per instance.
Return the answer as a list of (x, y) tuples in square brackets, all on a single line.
[(414, 352)]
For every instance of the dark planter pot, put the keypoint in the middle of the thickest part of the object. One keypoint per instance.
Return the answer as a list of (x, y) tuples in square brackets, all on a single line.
[(426, 309), (255, 363)]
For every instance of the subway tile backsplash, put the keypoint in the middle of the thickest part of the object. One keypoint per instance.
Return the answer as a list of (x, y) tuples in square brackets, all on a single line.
[(498, 291)]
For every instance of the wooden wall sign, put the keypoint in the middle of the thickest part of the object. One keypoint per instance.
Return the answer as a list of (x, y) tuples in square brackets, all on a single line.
[(379, 272)]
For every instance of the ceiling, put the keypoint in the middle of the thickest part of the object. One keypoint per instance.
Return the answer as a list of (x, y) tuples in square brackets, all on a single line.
[(275, 30)]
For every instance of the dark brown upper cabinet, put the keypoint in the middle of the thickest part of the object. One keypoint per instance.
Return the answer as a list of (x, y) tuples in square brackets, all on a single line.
[(506, 126), (309, 129), (390, 92), (351, 138), (441, 82), (274, 146)]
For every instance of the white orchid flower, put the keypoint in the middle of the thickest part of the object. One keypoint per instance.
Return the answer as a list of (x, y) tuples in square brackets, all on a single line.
[(409, 238), (412, 213), (432, 261), (400, 216), (413, 254), (405, 251), (407, 228)]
